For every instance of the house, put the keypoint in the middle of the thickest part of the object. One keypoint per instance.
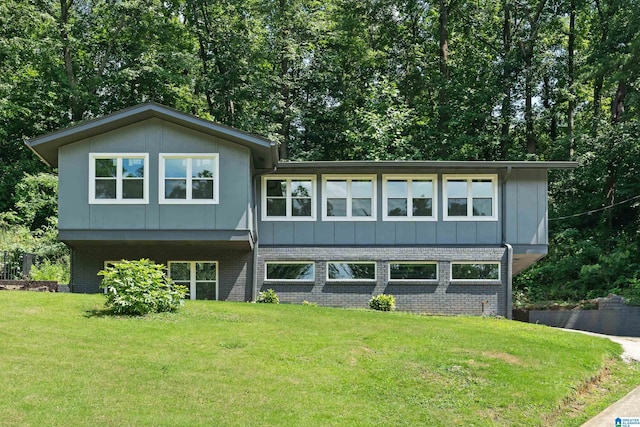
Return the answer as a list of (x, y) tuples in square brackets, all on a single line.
[(216, 206)]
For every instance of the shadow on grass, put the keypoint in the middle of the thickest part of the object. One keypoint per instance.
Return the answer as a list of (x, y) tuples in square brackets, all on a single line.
[(107, 312)]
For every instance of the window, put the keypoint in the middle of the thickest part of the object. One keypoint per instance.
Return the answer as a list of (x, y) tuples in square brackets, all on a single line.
[(295, 271), (118, 178), (351, 271), (412, 271), (475, 271), (409, 198), (471, 197), (189, 178), (349, 198), (200, 278), (289, 198)]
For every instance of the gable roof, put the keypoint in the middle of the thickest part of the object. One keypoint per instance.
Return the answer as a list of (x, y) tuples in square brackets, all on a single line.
[(264, 152)]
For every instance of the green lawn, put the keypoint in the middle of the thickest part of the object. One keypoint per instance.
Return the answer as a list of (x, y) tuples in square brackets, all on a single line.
[(220, 364)]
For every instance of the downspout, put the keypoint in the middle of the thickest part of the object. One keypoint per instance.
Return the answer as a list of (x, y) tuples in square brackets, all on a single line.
[(256, 240), (509, 293)]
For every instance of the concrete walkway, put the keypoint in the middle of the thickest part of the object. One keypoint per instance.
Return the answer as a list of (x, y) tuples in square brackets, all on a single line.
[(629, 406)]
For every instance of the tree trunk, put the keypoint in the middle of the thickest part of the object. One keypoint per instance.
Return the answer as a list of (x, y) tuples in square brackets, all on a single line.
[(505, 112), (443, 97), (77, 111), (528, 101), (571, 107)]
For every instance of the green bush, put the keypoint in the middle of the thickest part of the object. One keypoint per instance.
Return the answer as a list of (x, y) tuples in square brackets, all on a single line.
[(269, 297), (47, 270), (140, 287), (383, 302)]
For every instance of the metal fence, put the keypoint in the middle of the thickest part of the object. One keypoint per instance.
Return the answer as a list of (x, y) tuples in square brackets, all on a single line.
[(15, 265)]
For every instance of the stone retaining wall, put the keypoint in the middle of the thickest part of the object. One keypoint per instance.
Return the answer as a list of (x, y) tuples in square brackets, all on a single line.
[(29, 285)]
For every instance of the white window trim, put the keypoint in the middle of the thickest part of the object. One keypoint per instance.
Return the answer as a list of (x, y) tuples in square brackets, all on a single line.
[(498, 280), (349, 178), (409, 179), (375, 272), (118, 200), (469, 216), (413, 263), (188, 200), (288, 216), (313, 264), (192, 276)]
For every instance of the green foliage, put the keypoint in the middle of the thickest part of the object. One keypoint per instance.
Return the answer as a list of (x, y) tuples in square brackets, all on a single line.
[(140, 287), (268, 297), (311, 304), (383, 302), (48, 270)]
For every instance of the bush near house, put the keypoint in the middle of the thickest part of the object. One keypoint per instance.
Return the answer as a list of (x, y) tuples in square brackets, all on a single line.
[(140, 287), (269, 296), (383, 302)]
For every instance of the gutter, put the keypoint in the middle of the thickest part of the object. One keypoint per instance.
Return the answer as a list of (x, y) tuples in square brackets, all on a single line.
[(256, 241)]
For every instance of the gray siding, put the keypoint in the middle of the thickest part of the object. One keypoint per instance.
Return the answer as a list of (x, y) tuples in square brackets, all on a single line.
[(526, 207), (235, 267), (441, 297), (155, 136)]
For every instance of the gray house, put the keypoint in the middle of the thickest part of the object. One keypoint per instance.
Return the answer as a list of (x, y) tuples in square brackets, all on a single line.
[(216, 206)]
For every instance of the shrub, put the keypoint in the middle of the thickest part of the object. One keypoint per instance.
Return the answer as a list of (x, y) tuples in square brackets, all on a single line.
[(47, 270), (269, 297), (140, 287), (383, 302)]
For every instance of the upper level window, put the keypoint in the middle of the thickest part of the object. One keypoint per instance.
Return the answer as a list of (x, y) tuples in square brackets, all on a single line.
[(472, 197), (189, 178), (350, 198), (289, 198), (409, 198), (118, 178)]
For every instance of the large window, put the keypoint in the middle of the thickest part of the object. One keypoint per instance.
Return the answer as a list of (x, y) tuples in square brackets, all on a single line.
[(289, 198), (189, 178), (409, 198), (118, 178), (290, 271), (413, 271), (471, 197), (475, 271), (350, 198), (200, 278), (351, 271)]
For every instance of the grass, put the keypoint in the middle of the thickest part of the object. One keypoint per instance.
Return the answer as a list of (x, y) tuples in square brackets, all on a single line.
[(237, 364)]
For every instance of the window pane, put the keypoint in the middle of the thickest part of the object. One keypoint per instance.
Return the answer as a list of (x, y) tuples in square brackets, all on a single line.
[(404, 271), (337, 189), (456, 189), (397, 207), (106, 168), (457, 207), (206, 271), (422, 207), (276, 188), (132, 189), (397, 189), (133, 168), (206, 291), (488, 271), (301, 188), (422, 189), (202, 168), (336, 207), (175, 189), (276, 207), (361, 207), (290, 271), (301, 207), (105, 188), (482, 207), (361, 189), (175, 168), (351, 271), (180, 271), (202, 189), (481, 188)]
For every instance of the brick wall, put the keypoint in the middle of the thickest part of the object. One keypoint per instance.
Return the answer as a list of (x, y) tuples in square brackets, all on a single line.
[(234, 266), (441, 297)]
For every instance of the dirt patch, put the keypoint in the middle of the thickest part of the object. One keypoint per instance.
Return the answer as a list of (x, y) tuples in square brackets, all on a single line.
[(505, 357)]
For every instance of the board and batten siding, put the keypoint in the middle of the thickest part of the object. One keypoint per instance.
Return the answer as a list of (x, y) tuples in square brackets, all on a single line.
[(525, 215), (155, 136)]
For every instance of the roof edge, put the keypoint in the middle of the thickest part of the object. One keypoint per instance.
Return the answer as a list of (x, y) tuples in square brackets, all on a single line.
[(466, 164)]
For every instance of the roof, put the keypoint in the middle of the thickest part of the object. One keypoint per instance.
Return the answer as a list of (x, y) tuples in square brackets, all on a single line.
[(431, 164), (264, 152)]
